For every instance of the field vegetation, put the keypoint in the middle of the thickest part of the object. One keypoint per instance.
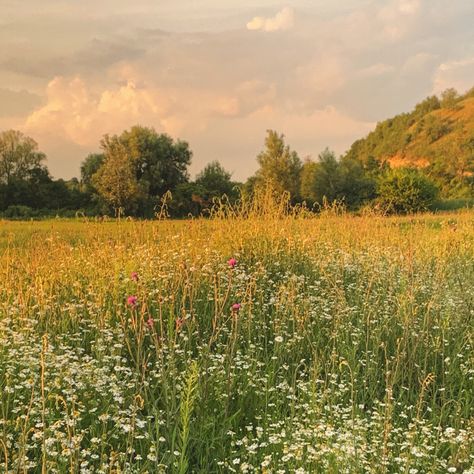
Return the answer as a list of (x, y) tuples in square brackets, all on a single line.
[(261, 340)]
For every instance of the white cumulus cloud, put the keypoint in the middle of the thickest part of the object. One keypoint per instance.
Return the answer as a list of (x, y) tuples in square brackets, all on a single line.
[(283, 20)]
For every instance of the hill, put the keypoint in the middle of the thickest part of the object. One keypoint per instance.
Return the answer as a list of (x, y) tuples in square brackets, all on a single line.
[(437, 136)]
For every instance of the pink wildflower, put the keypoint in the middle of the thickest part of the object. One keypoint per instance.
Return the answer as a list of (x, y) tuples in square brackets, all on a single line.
[(134, 276), (236, 307), (150, 322), (232, 262), (132, 300)]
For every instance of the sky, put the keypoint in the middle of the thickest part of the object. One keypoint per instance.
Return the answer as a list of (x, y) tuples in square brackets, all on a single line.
[(219, 73)]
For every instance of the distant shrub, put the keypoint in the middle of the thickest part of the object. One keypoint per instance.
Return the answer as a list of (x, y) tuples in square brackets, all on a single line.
[(19, 212), (450, 98), (426, 106), (406, 191), (436, 129)]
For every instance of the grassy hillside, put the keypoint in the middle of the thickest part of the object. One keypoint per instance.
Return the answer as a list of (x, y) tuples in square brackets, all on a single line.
[(438, 136)]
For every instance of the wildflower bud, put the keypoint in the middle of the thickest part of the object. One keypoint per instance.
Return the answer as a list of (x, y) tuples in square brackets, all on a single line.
[(132, 300), (236, 307), (232, 262)]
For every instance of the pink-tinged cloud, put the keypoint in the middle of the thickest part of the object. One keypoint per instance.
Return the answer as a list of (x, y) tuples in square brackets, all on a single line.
[(76, 113), (283, 20)]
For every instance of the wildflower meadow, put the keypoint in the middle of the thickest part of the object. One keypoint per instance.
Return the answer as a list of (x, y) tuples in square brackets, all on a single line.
[(265, 342)]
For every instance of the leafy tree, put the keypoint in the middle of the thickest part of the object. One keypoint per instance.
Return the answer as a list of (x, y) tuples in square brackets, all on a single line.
[(449, 98), (406, 190), (216, 181), (426, 106), (24, 179), (89, 168), (279, 166), (308, 173), (116, 180), (188, 199), (19, 156), (152, 164), (436, 128), (331, 179), (358, 184), (328, 177)]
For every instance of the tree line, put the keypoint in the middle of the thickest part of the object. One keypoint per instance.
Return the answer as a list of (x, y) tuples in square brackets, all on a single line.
[(135, 169)]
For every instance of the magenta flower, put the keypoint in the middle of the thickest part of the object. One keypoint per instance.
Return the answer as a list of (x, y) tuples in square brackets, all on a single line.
[(232, 262), (236, 307), (132, 300), (150, 322), (134, 276)]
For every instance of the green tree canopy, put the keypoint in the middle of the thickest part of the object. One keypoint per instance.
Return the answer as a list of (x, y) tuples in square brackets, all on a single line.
[(328, 177), (89, 168), (19, 156), (279, 166), (150, 163), (449, 98), (308, 180), (406, 190), (116, 181), (215, 180), (160, 163), (331, 179)]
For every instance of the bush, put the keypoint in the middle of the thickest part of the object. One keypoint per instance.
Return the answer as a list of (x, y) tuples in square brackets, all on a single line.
[(18, 212), (405, 191)]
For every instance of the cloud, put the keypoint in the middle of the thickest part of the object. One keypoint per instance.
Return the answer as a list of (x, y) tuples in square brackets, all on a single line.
[(248, 97), (94, 58), (17, 103), (375, 70), (408, 7), (283, 20), (398, 18), (192, 71), (458, 74), (74, 112)]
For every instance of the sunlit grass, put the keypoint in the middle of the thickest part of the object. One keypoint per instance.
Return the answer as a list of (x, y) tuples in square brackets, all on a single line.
[(351, 351)]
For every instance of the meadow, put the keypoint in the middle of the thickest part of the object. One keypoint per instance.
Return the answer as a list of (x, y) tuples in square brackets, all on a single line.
[(270, 342)]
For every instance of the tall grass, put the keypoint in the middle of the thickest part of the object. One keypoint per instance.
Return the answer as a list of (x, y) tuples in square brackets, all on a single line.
[(351, 351)]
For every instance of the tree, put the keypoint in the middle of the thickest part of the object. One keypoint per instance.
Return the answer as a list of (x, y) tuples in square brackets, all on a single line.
[(406, 190), (307, 188), (19, 156), (115, 180), (24, 179), (449, 98), (358, 185), (428, 105), (436, 128), (188, 199), (153, 162), (328, 178), (331, 179), (279, 166), (89, 168), (216, 181)]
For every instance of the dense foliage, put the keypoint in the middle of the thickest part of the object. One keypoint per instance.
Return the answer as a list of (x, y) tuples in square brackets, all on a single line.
[(436, 137), (405, 191)]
